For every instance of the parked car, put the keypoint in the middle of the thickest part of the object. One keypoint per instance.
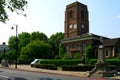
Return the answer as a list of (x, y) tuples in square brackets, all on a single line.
[(35, 61)]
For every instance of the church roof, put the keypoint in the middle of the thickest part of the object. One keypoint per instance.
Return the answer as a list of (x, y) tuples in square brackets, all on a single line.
[(110, 42), (82, 37), (88, 36)]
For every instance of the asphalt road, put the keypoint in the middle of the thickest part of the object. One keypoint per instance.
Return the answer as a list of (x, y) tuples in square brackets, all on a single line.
[(9, 74)]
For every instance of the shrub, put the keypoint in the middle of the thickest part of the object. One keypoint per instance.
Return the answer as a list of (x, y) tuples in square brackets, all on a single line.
[(60, 62), (109, 61), (45, 66), (77, 68), (76, 56), (113, 61), (92, 61)]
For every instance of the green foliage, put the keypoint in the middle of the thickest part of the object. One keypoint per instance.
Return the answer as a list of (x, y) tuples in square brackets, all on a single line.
[(113, 61), (24, 39), (109, 61), (28, 45), (12, 5), (76, 56), (35, 49), (45, 66), (89, 53), (12, 55), (1, 56), (11, 43), (92, 61), (24, 59), (38, 36), (77, 68), (118, 56), (55, 41), (60, 62)]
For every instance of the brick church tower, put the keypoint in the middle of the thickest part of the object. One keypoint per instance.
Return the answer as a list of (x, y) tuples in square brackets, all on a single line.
[(76, 20), (77, 36)]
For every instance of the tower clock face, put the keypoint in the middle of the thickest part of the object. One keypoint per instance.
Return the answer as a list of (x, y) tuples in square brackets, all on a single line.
[(75, 26), (70, 26)]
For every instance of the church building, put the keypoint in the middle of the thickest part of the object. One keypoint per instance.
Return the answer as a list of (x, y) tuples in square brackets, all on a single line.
[(77, 36)]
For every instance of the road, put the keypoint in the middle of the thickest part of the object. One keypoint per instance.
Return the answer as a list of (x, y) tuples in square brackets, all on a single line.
[(9, 74)]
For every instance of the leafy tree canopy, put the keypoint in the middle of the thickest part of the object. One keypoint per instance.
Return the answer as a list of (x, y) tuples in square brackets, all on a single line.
[(11, 43), (38, 36), (24, 39), (54, 41), (35, 49), (13, 6), (89, 53)]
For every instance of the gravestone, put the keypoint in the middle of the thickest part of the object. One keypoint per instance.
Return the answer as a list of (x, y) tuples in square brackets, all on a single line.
[(101, 68)]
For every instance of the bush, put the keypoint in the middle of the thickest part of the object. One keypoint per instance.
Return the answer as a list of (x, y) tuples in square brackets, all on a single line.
[(109, 61), (77, 68), (60, 62), (92, 61), (23, 59), (76, 56), (113, 61), (45, 66)]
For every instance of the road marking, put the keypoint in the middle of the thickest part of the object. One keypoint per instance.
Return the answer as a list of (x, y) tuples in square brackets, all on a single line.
[(4, 76)]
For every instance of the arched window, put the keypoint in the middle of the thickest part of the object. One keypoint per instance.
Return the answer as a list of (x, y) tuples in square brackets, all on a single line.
[(82, 14), (71, 14)]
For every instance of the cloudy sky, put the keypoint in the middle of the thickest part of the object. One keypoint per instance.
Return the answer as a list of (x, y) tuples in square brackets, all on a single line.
[(47, 16)]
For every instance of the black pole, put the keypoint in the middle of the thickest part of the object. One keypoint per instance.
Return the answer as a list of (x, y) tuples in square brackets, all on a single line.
[(16, 45)]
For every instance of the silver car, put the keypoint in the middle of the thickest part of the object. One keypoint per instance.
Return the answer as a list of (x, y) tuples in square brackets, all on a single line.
[(34, 62)]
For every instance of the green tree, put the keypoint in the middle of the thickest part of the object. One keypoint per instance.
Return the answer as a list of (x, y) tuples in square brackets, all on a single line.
[(89, 53), (55, 41), (35, 49), (11, 55), (38, 36), (13, 6), (24, 39), (11, 43)]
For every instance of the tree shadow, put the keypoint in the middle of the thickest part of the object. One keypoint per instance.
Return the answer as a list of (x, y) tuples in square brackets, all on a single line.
[(48, 79), (1, 71), (18, 78)]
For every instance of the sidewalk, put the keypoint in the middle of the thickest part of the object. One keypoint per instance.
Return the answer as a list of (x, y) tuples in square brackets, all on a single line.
[(29, 68), (70, 73)]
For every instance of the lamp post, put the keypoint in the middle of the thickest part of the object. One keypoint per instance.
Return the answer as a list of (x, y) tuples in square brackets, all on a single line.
[(16, 43)]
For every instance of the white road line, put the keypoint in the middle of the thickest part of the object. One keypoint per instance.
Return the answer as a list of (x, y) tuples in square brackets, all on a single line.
[(4, 76)]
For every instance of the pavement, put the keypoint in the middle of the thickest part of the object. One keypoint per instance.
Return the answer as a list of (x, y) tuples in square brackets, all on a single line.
[(69, 73)]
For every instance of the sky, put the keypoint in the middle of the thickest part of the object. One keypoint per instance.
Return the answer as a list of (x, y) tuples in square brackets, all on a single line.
[(48, 16)]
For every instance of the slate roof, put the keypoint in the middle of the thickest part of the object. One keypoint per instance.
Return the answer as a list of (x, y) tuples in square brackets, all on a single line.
[(110, 42), (86, 36)]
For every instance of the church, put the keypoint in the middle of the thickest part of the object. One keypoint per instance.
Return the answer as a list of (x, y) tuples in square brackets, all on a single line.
[(77, 36)]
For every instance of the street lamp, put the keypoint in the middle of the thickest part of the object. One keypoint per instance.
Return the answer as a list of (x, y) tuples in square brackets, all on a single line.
[(16, 43)]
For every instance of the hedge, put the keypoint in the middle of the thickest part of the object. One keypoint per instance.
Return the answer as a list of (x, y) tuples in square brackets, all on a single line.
[(109, 61), (60, 62), (77, 68), (45, 66)]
